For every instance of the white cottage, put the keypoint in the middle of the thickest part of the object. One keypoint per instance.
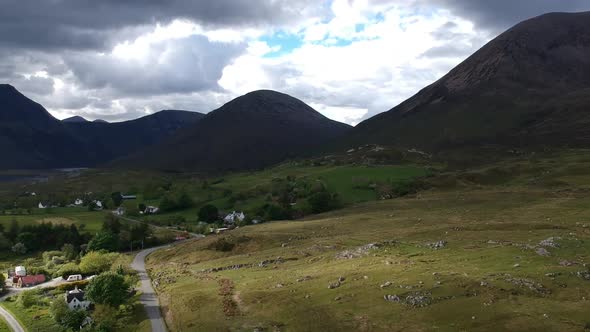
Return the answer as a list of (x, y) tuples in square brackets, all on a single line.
[(234, 217), (78, 202), (75, 299)]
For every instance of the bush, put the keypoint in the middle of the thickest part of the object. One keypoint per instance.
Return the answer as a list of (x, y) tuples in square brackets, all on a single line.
[(323, 202), (109, 289), (96, 262), (68, 269), (28, 298), (80, 284), (209, 213), (19, 248)]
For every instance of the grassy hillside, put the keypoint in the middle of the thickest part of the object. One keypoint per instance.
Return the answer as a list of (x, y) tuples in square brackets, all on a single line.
[(501, 247)]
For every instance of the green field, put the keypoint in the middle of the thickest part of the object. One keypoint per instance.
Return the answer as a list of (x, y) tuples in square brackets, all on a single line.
[(515, 257), (86, 221), (4, 326)]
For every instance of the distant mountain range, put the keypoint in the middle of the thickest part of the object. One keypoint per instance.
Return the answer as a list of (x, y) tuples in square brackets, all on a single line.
[(256, 130), (31, 138), (529, 87)]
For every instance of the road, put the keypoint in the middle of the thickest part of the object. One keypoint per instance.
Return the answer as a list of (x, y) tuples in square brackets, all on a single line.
[(11, 321), (148, 297)]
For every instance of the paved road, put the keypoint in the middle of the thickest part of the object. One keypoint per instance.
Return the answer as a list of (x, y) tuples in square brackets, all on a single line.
[(148, 297), (11, 321)]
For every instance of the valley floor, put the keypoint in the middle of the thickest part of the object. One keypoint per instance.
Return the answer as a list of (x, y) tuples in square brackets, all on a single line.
[(479, 259)]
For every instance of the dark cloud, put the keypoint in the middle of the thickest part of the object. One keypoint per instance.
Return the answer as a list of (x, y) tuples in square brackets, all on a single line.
[(177, 66), (498, 15), (92, 24)]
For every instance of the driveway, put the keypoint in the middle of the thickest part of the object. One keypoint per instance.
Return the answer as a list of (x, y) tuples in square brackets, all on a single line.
[(148, 297), (11, 321)]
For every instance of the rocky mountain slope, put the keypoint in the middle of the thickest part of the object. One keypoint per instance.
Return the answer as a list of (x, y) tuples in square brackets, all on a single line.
[(528, 87), (253, 131)]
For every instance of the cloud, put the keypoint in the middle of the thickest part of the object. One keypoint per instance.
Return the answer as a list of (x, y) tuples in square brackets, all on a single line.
[(350, 59), (498, 15), (89, 24)]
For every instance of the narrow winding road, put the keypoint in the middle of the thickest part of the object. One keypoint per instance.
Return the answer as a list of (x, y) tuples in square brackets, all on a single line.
[(148, 297), (11, 321)]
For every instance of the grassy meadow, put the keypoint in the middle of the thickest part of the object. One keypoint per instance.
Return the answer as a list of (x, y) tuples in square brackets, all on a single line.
[(500, 247)]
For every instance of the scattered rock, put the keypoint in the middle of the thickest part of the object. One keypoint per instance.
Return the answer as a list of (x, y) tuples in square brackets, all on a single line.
[(566, 263), (528, 283), (583, 274), (365, 277), (551, 274), (307, 296), (542, 252), (483, 284), (418, 299), (392, 298), (337, 298), (280, 286), (386, 284), (302, 279), (550, 242), (341, 279), (437, 245), (334, 285), (363, 250), (516, 265)]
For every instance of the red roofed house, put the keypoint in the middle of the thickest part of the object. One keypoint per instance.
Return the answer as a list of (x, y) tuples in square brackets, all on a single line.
[(28, 281)]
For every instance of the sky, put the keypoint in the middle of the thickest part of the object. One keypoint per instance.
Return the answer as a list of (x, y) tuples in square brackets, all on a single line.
[(349, 59)]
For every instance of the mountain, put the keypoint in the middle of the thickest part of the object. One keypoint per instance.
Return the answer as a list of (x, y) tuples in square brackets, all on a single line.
[(100, 121), (530, 86), (31, 138), (108, 141), (76, 119), (256, 130)]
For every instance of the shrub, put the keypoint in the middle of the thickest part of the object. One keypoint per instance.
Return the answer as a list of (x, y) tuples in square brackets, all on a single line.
[(96, 262), (68, 269), (19, 248), (208, 213), (109, 289), (80, 284), (323, 202), (27, 299)]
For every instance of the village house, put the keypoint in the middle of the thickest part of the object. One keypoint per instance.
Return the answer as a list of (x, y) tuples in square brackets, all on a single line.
[(75, 299), (78, 202), (120, 211), (29, 281), (234, 217), (151, 210), (43, 206)]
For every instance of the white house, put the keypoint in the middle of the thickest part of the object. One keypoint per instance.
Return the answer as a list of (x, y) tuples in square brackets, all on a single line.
[(234, 217), (75, 300), (78, 202), (151, 210), (41, 206), (98, 205), (119, 211)]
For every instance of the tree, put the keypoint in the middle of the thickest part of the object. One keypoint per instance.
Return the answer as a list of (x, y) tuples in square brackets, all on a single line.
[(167, 204), (104, 240), (69, 251), (58, 310), (27, 299), (104, 317), (209, 213), (185, 201), (111, 224), (108, 289), (13, 230), (19, 248), (2, 281), (73, 319), (96, 262), (117, 198), (69, 269), (323, 201)]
